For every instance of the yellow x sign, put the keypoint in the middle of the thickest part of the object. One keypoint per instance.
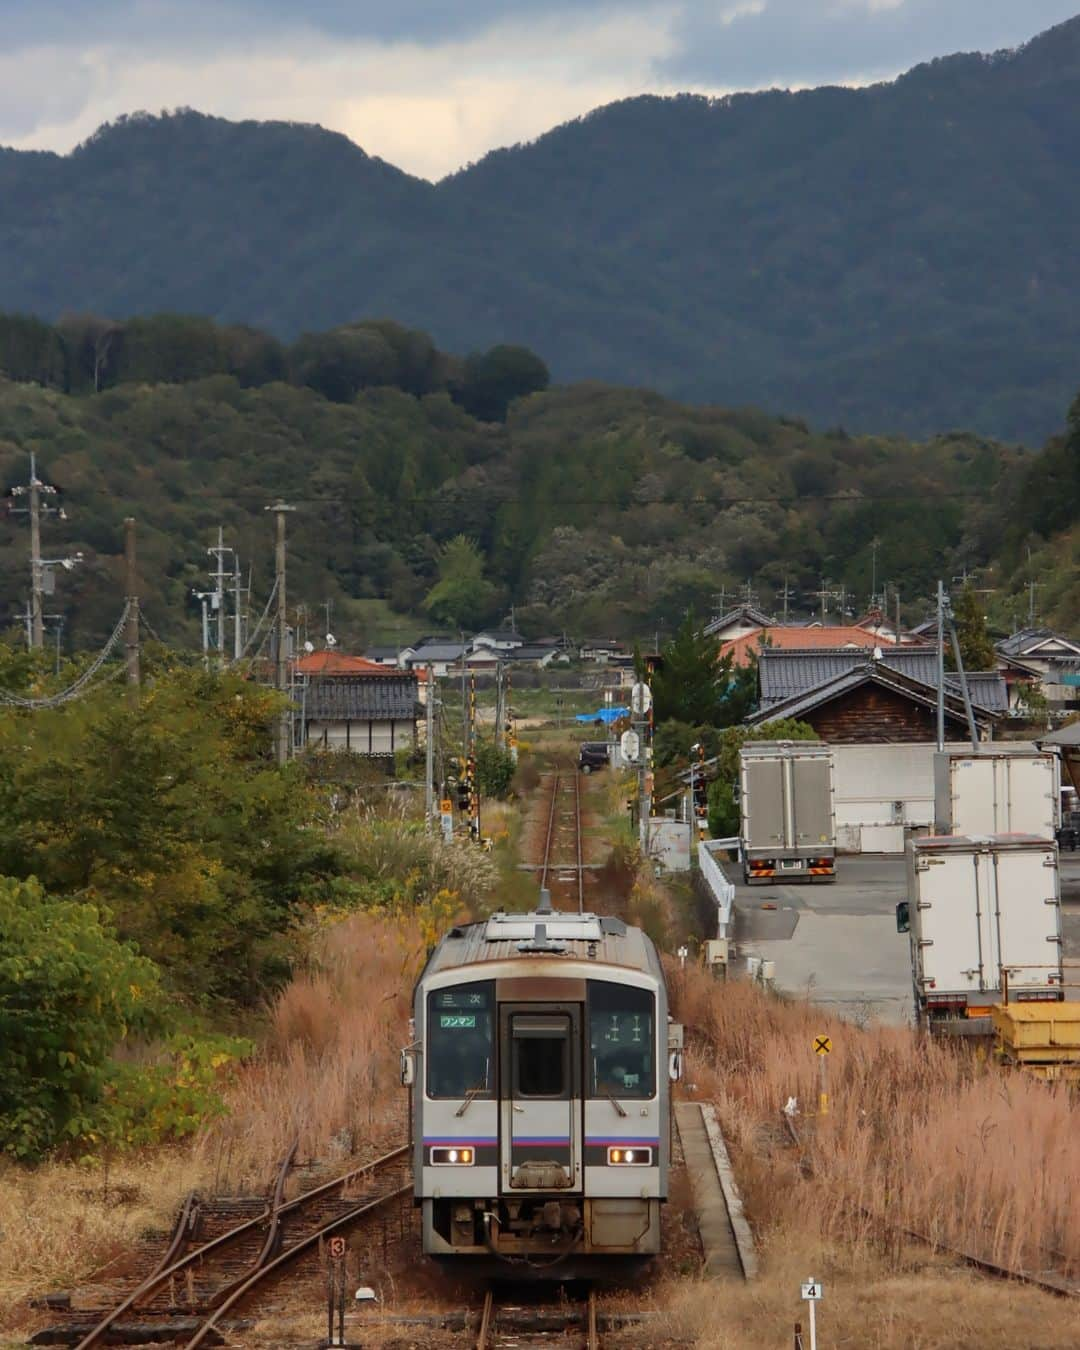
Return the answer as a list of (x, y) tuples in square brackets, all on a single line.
[(822, 1045)]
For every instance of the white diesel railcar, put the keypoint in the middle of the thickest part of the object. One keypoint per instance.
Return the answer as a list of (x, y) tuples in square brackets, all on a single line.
[(540, 1076)]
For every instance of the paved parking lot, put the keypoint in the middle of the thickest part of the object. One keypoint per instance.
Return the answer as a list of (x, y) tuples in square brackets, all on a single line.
[(838, 945)]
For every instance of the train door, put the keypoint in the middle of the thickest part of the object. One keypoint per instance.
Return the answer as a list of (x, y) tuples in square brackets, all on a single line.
[(540, 1091)]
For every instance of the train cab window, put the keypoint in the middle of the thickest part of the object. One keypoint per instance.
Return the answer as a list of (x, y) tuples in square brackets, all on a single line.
[(461, 1041), (541, 1055), (622, 1041)]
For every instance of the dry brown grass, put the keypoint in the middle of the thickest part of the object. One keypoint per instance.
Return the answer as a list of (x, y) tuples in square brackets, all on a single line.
[(327, 1072), (910, 1302), (920, 1135), (63, 1223)]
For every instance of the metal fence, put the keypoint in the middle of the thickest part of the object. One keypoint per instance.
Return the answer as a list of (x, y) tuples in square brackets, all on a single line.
[(722, 890)]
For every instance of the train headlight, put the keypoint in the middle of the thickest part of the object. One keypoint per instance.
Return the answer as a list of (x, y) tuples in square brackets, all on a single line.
[(638, 1156), (453, 1157)]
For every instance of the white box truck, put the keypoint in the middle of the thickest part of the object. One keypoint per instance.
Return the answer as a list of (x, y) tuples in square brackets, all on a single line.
[(984, 917), (787, 812), (1000, 790)]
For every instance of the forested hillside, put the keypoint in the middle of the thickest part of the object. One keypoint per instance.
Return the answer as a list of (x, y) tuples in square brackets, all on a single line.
[(899, 258), (588, 507)]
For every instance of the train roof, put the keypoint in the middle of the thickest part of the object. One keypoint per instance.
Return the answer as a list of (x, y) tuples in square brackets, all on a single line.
[(583, 937)]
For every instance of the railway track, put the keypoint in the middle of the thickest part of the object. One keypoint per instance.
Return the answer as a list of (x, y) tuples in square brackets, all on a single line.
[(510, 1325), (224, 1251), (561, 869)]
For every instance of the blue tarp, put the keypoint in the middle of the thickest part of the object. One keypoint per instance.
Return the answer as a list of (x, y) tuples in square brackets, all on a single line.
[(604, 715)]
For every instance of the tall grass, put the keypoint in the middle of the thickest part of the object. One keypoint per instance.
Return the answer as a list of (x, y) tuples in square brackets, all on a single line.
[(328, 1071), (920, 1135)]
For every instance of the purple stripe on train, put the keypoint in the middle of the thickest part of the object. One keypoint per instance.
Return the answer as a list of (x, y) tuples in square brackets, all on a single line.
[(438, 1141)]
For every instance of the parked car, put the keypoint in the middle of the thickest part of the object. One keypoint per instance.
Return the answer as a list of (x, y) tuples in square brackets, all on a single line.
[(593, 755)]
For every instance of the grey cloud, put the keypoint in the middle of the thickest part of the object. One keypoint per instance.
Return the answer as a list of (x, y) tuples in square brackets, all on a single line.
[(201, 22), (818, 41)]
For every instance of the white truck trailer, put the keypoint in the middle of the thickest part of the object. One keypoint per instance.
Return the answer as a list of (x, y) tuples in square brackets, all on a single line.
[(1000, 790), (984, 916), (787, 812)]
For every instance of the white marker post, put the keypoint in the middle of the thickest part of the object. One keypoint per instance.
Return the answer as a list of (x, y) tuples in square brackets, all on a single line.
[(811, 1291)]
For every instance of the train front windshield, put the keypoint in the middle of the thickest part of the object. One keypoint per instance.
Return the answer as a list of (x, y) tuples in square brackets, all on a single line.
[(461, 1041), (622, 1041)]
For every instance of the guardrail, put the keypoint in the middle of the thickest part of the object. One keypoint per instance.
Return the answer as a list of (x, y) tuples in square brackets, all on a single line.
[(722, 890)]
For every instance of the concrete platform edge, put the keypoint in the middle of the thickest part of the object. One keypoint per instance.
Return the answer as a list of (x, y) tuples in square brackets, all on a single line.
[(744, 1239)]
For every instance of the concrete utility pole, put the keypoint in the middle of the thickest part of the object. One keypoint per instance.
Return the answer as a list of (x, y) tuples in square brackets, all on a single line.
[(429, 748), (238, 633), (131, 623), (941, 665), (37, 635), (281, 663), (219, 591)]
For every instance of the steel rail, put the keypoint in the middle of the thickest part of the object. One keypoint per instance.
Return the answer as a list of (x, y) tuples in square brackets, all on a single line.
[(486, 1319), (546, 865), (1060, 1287), (592, 1335), (285, 1258), (577, 832), (159, 1277)]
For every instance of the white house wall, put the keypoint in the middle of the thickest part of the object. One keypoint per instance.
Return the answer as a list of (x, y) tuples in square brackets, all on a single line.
[(376, 738)]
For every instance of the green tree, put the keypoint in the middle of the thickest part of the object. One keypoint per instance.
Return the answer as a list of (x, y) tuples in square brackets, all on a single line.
[(493, 379), (695, 685), (171, 817), (723, 809), (494, 769), (462, 597), (976, 646), (340, 363), (69, 993)]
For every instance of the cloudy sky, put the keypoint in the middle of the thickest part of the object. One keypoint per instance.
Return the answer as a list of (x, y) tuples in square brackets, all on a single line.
[(433, 84)]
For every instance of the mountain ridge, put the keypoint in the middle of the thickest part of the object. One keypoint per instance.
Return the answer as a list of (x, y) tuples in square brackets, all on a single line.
[(895, 258)]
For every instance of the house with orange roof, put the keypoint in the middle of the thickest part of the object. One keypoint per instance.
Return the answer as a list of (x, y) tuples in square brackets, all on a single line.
[(350, 703), (789, 638)]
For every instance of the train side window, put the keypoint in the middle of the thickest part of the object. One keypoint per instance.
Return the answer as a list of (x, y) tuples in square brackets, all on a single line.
[(461, 1041), (622, 1040)]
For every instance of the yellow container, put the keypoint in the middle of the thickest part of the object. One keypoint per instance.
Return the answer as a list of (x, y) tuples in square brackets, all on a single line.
[(1047, 1032)]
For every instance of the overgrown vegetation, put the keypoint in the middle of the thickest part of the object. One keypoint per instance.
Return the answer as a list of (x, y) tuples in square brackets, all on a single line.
[(920, 1135), (594, 510), (160, 877)]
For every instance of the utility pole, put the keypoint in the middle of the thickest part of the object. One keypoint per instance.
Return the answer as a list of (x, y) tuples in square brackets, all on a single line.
[(131, 623), (1033, 586), (941, 665), (281, 667), (34, 491), (785, 595), (464, 703), (875, 544), (37, 636), (238, 635), (429, 747), (219, 591), (499, 704), (220, 551)]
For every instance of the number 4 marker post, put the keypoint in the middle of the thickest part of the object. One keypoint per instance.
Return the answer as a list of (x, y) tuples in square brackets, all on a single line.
[(811, 1291)]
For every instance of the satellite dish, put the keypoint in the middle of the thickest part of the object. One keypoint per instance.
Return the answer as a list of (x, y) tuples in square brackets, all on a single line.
[(331, 640), (309, 647)]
